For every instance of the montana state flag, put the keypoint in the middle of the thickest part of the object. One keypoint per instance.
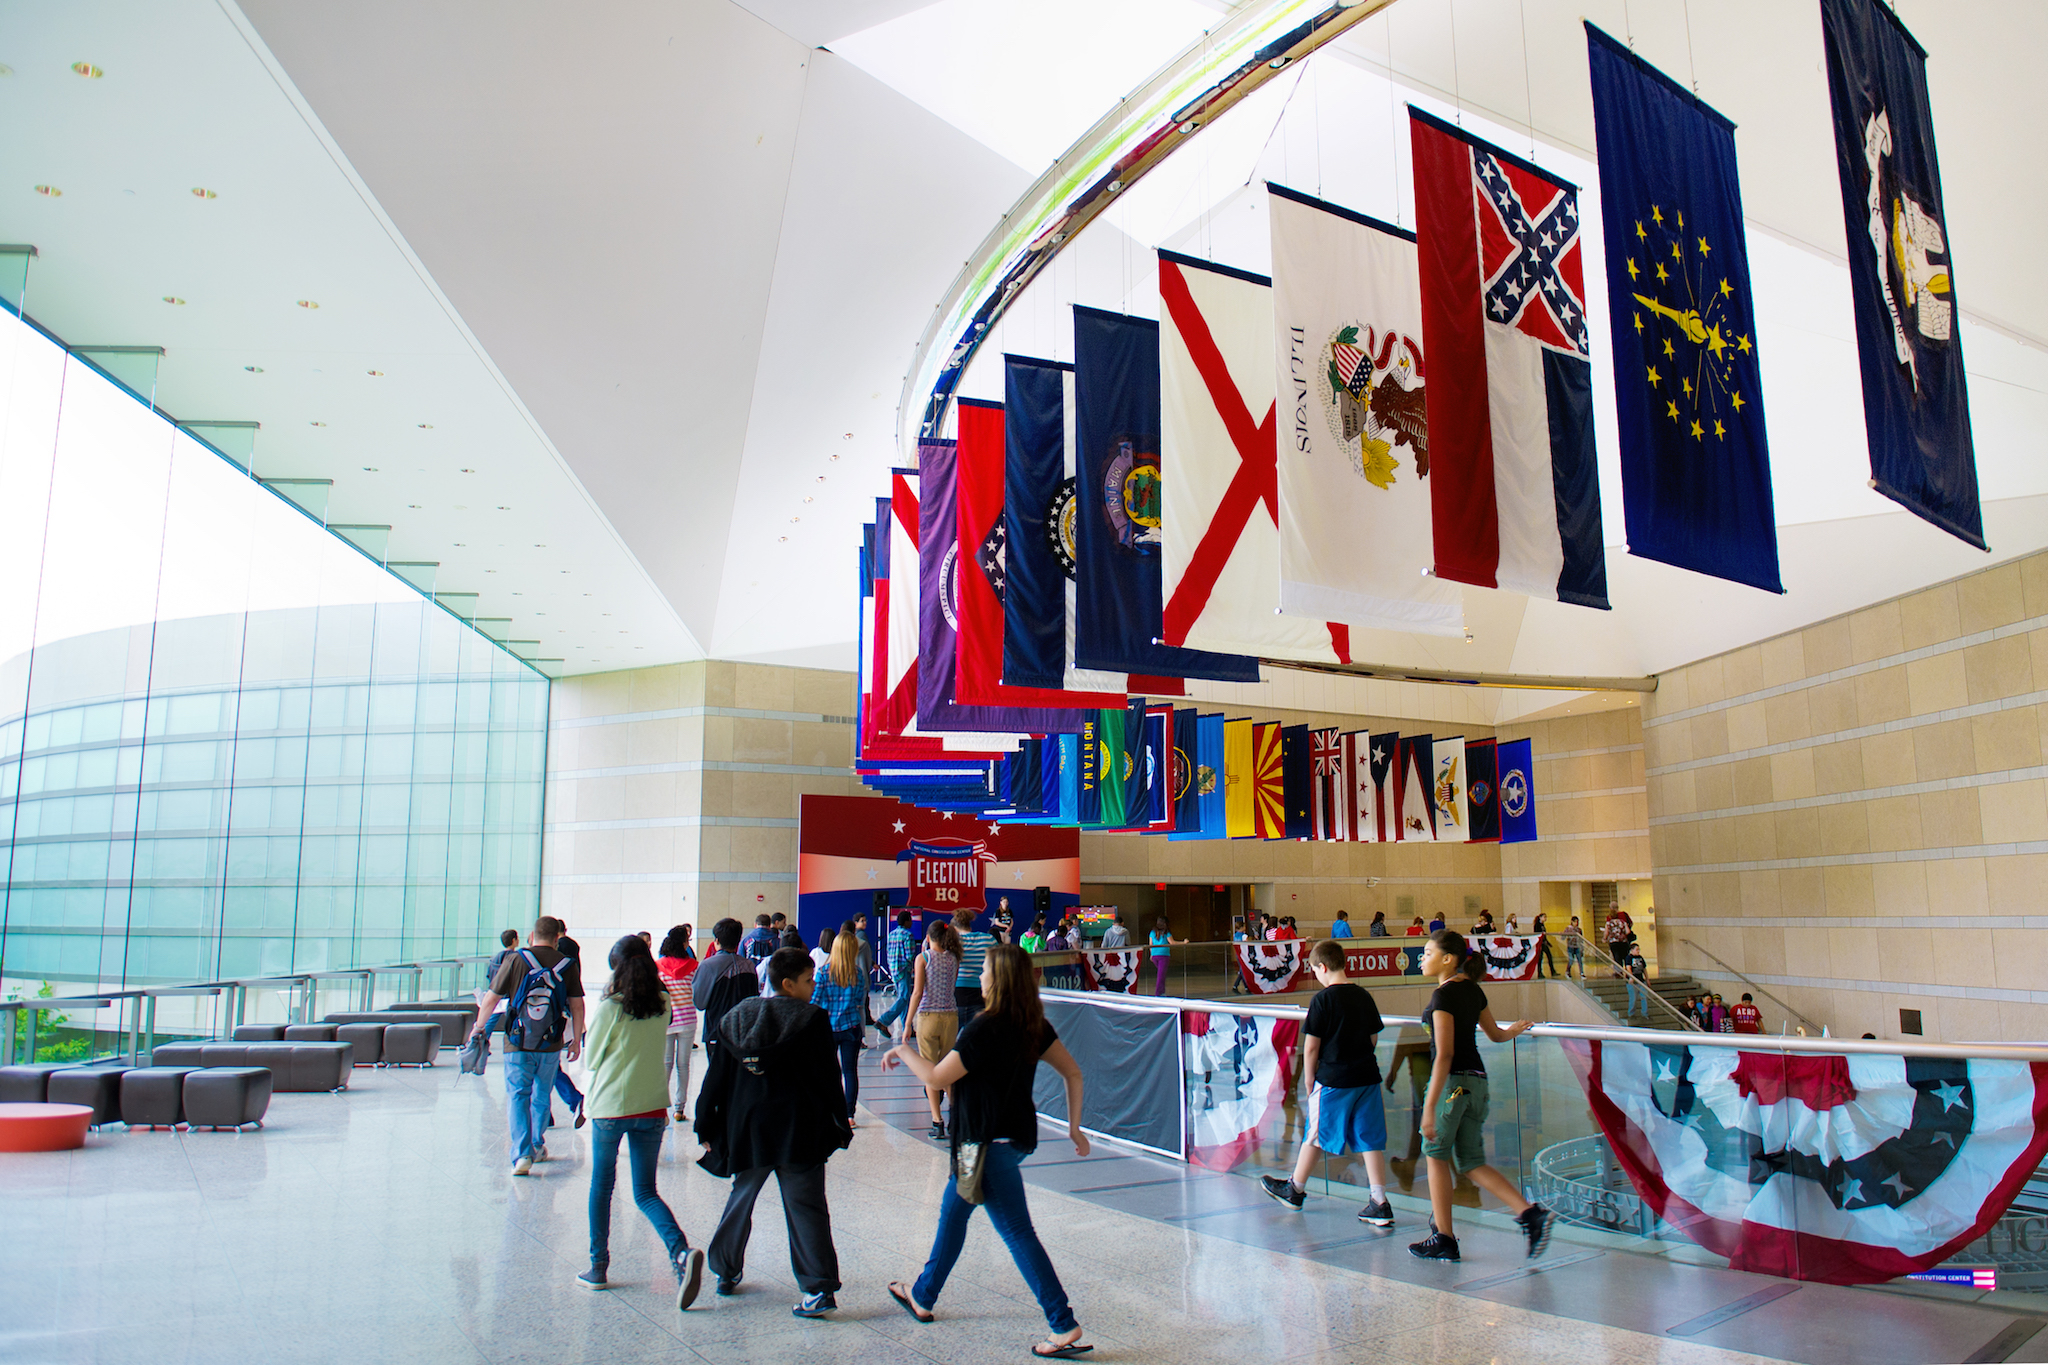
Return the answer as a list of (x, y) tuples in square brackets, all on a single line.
[(1695, 463)]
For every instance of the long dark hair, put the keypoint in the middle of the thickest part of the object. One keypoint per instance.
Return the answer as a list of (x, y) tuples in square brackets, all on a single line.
[(636, 985), (943, 936), (1451, 943), (1010, 990), (676, 943)]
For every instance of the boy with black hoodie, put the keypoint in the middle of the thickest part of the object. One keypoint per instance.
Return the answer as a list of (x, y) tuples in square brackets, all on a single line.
[(772, 1104)]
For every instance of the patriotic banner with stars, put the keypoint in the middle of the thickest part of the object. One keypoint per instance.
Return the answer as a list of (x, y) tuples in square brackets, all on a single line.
[(1839, 1169), (1695, 462), (850, 847)]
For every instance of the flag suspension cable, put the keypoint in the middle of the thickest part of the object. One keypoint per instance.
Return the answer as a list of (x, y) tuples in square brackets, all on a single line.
[(1463, 678)]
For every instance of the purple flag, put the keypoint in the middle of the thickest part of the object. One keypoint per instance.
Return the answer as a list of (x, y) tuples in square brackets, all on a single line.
[(938, 565)]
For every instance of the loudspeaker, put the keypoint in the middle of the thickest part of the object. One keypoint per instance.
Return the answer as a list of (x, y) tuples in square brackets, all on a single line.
[(881, 905), (1041, 902)]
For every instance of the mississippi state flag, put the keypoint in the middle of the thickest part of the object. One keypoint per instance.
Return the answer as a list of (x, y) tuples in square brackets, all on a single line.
[(1515, 491)]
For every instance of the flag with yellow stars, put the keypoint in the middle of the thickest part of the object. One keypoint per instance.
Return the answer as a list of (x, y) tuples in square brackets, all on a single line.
[(1695, 463)]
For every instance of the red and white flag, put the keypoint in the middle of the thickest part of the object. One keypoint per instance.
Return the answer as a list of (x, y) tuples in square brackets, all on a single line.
[(1220, 542)]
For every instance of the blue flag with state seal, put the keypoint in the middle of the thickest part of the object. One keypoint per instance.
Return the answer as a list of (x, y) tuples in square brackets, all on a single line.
[(1695, 463), (1916, 401)]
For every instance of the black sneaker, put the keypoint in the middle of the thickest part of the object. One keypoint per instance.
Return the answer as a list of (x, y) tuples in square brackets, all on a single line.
[(937, 1132), (1535, 1221), (689, 1278), (814, 1306), (728, 1285), (1436, 1247), (1282, 1190), (1380, 1215), (593, 1278)]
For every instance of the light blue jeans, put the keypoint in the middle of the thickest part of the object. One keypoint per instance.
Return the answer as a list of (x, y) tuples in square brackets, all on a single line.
[(1002, 1188), (897, 1009), (1635, 990), (529, 1079)]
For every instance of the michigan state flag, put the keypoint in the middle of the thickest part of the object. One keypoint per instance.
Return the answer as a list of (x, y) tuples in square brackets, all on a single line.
[(1916, 405), (1695, 466)]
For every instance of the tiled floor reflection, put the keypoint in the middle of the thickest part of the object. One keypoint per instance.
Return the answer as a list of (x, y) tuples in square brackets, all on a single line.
[(384, 1225)]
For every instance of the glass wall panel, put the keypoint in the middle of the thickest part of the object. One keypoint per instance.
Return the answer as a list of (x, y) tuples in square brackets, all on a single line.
[(231, 744)]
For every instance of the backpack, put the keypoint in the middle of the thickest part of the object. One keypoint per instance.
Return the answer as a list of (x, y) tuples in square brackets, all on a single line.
[(727, 991), (539, 1009), (760, 945)]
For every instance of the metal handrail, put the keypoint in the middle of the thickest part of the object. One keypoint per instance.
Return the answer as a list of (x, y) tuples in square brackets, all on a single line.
[(1753, 986), (1643, 984)]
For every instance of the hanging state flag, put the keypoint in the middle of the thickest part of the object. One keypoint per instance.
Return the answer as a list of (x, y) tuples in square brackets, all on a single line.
[(1269, 792), (1118, 509), (1353, 465), (1220, 534), (1916, 402), (1517, 792), (983, 572), (1112, 766), (1414, 801), (1447, 791), (1326, 784), (1187, 804), (1161, 774), (1205, 782), (1515, 496), (1038, 532), (1240, 803), (1088, 772), (1355, 786), (1137, 787), (938, 587), (1695, 463), (1382, 763), (897, 607), (1482, 790), (1296, 782)]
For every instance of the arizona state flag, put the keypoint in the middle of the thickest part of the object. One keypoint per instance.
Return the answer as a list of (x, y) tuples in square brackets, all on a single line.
[(1689, 403), (1269, 793), (1240, 806), (1296, 786), (1916, 401), (1482, 791), (1414, 770)]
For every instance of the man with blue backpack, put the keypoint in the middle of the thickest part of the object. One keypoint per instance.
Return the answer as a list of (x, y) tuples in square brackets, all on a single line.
[(543, 990)]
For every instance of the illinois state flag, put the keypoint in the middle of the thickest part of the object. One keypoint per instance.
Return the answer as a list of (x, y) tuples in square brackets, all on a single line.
[(1219, 536), (1516, 496), (1353, 466), (1689, 404)]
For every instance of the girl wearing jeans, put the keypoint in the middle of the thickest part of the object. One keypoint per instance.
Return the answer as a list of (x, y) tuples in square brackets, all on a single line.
[(990, 1070), (840, 992), (628, 1098)]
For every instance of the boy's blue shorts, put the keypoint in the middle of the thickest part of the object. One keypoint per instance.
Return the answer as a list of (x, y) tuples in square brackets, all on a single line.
[(1352, 1120)]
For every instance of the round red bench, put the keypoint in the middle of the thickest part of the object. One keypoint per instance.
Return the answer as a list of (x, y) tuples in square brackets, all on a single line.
[(43, 1127)]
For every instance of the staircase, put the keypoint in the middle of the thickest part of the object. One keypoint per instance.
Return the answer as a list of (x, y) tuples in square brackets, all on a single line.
[(1612, 993)]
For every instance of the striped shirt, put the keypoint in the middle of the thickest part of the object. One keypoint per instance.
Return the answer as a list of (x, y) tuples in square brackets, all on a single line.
[(973, 952), (940, 972), (676, 974), (840, 1003)]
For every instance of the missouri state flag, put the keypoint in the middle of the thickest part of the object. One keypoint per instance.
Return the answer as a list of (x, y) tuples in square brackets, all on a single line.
[(1515, 489), (1688, 397)]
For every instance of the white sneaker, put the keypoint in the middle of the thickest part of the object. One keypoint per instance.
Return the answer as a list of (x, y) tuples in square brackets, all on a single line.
[(540, 1153), (523, 1166)]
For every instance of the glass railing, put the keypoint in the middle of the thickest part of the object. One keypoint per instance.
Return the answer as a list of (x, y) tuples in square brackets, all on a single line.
[(1824, 1159)]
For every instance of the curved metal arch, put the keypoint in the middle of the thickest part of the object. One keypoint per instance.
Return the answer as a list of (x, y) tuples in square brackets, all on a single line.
[(1213, 75)]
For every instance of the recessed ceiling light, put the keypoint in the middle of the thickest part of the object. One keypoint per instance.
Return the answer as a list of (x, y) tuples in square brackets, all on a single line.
[(429, 426), (253, 369), (5, 70), (806, 499), (821, 478), (466, 471), (847, 437), (201, 192), (835, 454), (174, 299), (374, 374), (462, 545), (796, 518), (369, 469), (49, 191), (538, 546), (782, 538), (503, 508), (414, 506), (317, 424), (87, 70), (307, 303)]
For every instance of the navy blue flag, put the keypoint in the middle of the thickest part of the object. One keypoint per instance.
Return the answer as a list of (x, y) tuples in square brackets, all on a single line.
[(1088, 773), (1116, 496), (1695, 465), (1137, 800), (1482, 791), (1204, 783), (1187, 803), (1294, 782), (1916, 402), (1037, 522), (1158, 769), (1517, 792)]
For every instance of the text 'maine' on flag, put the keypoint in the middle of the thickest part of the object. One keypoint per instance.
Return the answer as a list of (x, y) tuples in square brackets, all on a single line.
[(1916, 402), (1515, 500), (1695, 464)]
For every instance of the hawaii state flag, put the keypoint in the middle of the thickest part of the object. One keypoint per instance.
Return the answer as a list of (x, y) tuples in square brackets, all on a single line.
[(1220, 534), (1515, 489)]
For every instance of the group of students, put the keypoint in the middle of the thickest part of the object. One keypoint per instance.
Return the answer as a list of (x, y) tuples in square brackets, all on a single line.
[(1713, 1015), (777, 1096)]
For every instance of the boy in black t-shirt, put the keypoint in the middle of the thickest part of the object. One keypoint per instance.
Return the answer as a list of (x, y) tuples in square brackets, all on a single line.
[(1339, 1058)]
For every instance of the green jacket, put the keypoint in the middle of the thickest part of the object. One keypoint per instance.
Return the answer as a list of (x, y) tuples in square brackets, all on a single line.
[(623, 1059)]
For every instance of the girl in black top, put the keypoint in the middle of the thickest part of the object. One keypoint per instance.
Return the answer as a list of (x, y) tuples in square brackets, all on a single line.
[(1454, 1112), (990, 1071)]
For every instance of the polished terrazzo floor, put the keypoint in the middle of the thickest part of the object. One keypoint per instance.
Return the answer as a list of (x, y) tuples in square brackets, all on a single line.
[(384, 1225)]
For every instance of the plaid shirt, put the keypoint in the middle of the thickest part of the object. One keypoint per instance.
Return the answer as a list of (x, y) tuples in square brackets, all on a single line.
[(902, 947)]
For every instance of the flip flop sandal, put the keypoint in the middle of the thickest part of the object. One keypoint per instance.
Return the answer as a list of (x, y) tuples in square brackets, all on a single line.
[(911, 1308), (1071, 1351)]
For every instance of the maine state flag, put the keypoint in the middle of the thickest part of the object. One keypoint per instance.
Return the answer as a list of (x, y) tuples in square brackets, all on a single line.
[(1695, 466)]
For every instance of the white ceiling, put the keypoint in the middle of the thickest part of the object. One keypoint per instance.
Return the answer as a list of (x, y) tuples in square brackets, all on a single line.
[(655, 270)]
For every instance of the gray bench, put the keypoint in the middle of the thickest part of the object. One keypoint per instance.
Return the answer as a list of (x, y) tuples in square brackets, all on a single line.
[(294, 1067)]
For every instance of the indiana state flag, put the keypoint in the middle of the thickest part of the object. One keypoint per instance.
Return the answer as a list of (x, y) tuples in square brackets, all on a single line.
[(1695, 466)]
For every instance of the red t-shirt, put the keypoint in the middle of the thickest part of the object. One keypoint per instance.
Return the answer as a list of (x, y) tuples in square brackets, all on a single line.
[(1748, 1018)]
